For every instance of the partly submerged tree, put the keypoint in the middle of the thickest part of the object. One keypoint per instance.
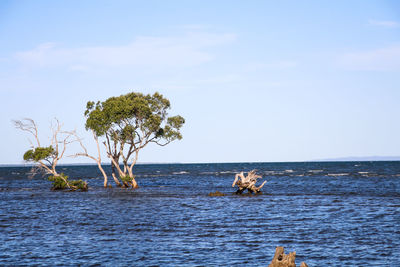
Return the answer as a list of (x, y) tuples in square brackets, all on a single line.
[(128, 123), (46, 158)]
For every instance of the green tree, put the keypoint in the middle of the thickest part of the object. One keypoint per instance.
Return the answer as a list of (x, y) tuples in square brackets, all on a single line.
[(128, 123)]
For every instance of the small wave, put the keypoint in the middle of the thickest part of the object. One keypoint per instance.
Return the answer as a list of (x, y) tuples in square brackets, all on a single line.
[(151, 175), (15, 173), (182, 172), (274, 173), (289, 171), (269, 172), (363, 172), (315, 171), (337, 174), (227, 172)]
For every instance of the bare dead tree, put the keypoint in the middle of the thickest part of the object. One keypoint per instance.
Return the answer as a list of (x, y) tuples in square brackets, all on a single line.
[(247, 182), (59, 145), (46, 158), (86, 154)]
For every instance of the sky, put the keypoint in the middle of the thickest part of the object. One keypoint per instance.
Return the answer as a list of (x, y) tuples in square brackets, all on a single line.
[(256, 81)]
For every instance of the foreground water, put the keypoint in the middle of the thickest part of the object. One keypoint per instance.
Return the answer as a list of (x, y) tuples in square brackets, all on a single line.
[(331, 214)]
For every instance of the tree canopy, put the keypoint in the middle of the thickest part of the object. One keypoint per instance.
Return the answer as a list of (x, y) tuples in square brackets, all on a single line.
[(39, 153)]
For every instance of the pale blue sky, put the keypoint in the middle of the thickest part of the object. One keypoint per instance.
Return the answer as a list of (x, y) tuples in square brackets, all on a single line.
[(255, 80)]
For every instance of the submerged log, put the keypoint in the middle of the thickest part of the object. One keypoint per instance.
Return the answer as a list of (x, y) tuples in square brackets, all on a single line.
[(284, 260), (247, 182)]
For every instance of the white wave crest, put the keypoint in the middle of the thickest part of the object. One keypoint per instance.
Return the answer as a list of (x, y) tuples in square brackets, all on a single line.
[(315, 171), (181, 172)]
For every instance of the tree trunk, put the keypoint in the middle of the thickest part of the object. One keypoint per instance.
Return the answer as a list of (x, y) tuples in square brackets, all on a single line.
[(116, 180), (99, 158), (134, 183), (104, 173), (284, 260), (114, 176), (130, 170), (133, 180)]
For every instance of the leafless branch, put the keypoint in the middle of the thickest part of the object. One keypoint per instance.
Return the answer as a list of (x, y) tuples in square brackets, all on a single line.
[(86, 154), (28, 125)]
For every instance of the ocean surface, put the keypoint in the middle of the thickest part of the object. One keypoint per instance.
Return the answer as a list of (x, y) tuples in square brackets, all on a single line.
[(330, 213)]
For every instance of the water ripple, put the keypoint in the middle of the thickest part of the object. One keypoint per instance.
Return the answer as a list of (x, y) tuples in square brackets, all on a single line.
[(170, 221)]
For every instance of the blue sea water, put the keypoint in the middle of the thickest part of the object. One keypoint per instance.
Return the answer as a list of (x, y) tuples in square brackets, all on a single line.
[(330, 213)]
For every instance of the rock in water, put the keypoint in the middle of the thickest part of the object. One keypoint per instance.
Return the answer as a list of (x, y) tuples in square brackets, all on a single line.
[(284, 260), (216, 194)]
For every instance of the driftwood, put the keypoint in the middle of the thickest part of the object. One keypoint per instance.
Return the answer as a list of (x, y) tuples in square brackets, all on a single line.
[(248, 182), (284, 260)]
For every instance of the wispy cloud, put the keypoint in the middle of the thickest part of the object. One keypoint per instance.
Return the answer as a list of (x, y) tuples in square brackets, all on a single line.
[(385, 23), (186, 50), (382, 59)]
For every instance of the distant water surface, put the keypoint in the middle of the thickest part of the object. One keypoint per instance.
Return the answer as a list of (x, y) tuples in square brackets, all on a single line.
[(331, 214)]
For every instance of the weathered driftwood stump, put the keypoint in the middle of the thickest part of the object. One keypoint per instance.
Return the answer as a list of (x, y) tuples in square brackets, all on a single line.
[(282, 260), (248, 182)]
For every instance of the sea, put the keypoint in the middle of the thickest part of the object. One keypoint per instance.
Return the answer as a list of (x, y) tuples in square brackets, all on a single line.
[(330, 213)]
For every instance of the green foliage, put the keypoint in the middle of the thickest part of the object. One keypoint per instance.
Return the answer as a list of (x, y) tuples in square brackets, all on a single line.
[(127, 118), (126, 179), (59, 183), (79, 184), (39, 153)]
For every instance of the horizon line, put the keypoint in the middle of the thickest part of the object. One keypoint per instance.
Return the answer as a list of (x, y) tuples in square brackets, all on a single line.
[(344, 159)]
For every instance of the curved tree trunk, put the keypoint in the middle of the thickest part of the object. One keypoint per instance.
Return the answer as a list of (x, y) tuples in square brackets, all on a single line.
[(284, 260), (99, 159), (134, 183), (104, 174), (86, 154), (133, 180), (130, 170), (114, 176), (116, 179)]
